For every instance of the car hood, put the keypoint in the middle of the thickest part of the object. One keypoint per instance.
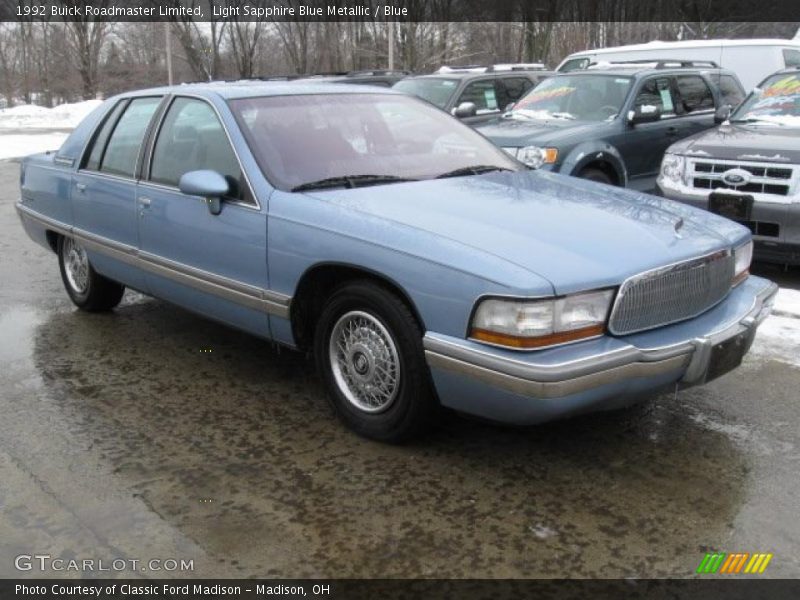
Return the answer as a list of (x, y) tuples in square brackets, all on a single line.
[(516, 133), (576, 234), (765, 143)]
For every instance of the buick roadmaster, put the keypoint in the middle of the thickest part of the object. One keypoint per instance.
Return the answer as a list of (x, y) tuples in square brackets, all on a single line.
[(422, 266)]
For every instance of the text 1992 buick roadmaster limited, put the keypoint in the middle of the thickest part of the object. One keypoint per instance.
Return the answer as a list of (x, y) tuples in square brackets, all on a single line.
[(422, 265)]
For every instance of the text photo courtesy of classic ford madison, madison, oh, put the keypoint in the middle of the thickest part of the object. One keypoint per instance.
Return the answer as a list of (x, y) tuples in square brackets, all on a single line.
[(441, 299)]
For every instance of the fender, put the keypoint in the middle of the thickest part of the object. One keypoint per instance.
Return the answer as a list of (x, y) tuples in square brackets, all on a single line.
[(589, 152)]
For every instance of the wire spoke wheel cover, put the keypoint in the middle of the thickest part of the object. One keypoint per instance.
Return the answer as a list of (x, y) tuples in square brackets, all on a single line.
[(76, 265), (364, 361)]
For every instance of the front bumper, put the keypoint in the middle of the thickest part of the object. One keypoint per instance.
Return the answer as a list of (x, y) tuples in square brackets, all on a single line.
[(530, 387)]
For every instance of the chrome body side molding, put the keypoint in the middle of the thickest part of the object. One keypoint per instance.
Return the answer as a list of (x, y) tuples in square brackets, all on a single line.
[(268, 301)]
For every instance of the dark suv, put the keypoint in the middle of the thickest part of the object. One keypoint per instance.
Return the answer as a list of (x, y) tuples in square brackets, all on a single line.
[(473, 94), (748, 168), (613, 122)]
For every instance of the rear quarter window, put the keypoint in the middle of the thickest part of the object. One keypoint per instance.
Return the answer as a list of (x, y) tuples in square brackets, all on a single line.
[(791, 58)]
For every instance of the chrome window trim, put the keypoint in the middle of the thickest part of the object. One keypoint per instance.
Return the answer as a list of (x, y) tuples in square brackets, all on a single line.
[(265, 300), (157, 131), (633, 279)]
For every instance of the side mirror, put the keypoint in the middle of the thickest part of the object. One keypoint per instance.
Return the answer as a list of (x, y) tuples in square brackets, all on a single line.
[(465, 109), (722, 114), (209, 184), (646, 113), (510, 106)]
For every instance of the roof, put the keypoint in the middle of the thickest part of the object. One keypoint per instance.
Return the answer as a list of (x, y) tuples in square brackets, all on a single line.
[(657, 44), (476, 75), (254, 88), (633, 70)]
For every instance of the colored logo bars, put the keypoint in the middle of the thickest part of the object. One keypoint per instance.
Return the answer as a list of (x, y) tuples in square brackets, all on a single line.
[(734, 563)]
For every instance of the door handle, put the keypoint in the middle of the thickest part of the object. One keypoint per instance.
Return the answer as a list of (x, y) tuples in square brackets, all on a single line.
[(81, 187), (144, 201)]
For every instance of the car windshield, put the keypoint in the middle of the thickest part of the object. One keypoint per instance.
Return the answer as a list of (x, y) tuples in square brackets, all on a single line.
[(360, 139), (437, 91), (574, 97), (776, 101)]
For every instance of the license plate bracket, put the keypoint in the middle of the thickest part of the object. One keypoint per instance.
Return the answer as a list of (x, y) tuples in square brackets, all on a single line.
[(734, 206), (726, 356)]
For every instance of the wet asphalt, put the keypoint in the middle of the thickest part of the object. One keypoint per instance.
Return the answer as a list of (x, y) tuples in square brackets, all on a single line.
[(150, 432)]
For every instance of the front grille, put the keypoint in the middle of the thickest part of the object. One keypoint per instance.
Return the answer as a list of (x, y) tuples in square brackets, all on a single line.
[(670, 294), (765, 178)]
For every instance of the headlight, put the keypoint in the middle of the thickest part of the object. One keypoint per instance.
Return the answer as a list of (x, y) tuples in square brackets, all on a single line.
[(672, 167), (518, 323), (742, 255), (535, 157)]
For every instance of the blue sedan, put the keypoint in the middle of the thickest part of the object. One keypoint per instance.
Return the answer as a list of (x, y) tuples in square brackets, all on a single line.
[(422, 266)]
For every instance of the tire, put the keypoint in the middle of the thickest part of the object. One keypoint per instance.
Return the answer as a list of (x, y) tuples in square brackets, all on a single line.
[(362, 327), (595, 175), (87, 289)]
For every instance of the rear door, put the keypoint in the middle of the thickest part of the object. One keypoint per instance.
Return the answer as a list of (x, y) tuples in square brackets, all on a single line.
[(104, 190), (213, 264), (695, 106)]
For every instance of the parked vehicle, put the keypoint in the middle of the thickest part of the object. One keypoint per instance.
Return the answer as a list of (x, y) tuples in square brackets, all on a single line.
[(379, 77), (611, 124), (474, 94), (422, 265), (748, 169), (751, 60)]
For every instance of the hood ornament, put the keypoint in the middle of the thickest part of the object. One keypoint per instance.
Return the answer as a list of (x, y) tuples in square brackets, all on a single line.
[(677, 226)]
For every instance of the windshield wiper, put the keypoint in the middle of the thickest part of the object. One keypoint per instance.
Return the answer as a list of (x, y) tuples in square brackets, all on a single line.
[(563, 115), (754, 120), (349, 181), (473, 170)]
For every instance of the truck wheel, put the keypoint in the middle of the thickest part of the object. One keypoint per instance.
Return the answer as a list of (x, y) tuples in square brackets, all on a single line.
[(368, 349), (595, 175), (87, 289)]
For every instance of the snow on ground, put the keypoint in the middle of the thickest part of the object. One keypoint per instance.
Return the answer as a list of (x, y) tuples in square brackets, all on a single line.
[(788, 303), (63, 116), (778, 337), (18, 145)]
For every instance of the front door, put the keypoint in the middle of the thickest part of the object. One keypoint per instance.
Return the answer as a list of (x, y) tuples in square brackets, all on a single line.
[(643, 145), (213, 264)]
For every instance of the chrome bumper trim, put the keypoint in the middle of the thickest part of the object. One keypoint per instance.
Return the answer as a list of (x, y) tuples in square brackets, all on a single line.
[(273, 303), (545, 381)]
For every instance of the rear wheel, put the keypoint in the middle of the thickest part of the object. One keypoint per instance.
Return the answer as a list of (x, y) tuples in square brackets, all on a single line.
[(597, 175), (368, 348), (87, 289)]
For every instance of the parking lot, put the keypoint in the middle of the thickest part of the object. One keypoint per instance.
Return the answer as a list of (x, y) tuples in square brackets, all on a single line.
[(150, 432)]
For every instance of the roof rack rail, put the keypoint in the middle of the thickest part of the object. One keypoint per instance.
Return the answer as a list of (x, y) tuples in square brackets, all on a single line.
[(662, 63), (377, 72), (492, 68)]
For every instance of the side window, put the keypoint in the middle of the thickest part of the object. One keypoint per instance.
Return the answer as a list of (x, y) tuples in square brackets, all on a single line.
[(511, 89), (694, 93), (656, 92), (192, 138), (91, 161), (730, 90), (482, 94), (791, 58), (122, 150)]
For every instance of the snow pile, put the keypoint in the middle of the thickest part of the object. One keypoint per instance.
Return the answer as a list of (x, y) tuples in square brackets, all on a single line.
[(778, 337), (64, 116), (19, 145), (787, 303)]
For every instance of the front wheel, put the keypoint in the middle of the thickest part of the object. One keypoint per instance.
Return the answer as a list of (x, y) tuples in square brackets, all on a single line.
[(87, 289), (368, 348)]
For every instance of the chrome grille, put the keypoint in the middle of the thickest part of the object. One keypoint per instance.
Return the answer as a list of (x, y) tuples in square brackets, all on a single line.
[(670, 294), (765, 178)]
